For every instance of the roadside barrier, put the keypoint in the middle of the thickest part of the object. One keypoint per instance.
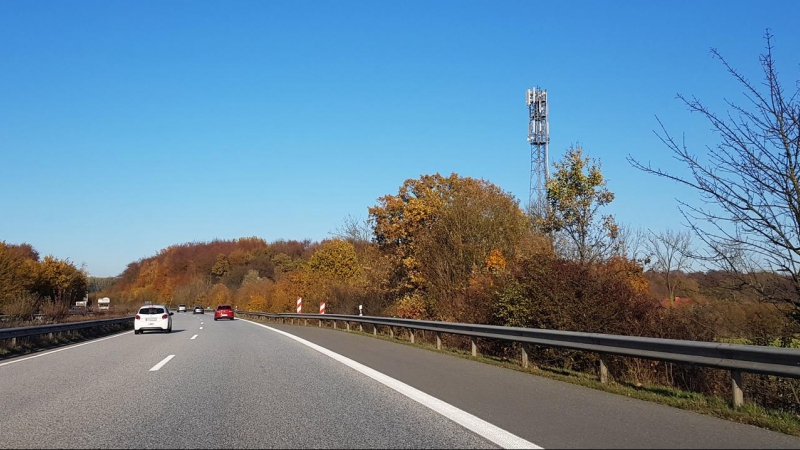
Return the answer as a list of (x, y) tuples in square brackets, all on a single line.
[(736, 358)]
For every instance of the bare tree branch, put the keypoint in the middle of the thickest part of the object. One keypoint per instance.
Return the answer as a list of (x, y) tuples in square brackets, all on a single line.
[(749, 184)]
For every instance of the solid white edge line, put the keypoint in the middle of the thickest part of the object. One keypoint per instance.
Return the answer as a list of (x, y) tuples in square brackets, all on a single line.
[(479, 426), (193, 337), (161, 364), (62, 349)]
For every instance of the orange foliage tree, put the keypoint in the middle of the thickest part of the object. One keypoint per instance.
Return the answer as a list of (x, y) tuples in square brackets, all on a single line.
[(436, 232)]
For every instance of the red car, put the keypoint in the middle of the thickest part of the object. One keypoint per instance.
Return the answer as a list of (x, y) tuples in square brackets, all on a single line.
[(223, 312)]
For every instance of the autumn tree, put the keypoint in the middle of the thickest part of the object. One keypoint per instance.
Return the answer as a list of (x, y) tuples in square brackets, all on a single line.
[(335, 260), (438, 230), (221, 266), (60, 281), (220, 295), (575, 193), (251, 277), (333, 275), (17, 266), (748, 217), (192, 291)]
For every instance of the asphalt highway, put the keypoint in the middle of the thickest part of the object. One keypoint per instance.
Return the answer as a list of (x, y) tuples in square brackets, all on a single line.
[(241, 384)]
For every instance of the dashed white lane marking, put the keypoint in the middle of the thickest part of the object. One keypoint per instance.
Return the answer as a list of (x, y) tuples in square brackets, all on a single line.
[(479, 426), (201, 328), (193, 337), (61, 349), (161, 364)]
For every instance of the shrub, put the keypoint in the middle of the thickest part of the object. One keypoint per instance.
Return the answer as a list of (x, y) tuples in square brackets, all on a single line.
[(22, 306)]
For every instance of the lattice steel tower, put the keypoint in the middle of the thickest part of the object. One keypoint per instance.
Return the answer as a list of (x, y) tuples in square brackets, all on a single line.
[(539, 139)]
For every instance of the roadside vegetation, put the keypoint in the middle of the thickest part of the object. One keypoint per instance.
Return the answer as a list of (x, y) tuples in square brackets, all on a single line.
[(453, 248)]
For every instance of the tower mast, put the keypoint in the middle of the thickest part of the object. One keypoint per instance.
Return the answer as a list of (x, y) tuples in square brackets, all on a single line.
[(539, 140)]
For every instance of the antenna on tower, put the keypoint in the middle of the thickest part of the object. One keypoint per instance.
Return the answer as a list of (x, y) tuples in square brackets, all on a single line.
[(539, 139)]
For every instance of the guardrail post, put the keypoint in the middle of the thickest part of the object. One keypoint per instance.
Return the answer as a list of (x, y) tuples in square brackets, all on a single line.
[(334, 324), (13, 341), (374, 330), (347, 324), (305, 322), (474, 343), (524, 356), (291, 321), (50, 335), (603, 370), (360, 327), (319, 323), (736, 384), (411, 335), (438, 341), (391, 332)]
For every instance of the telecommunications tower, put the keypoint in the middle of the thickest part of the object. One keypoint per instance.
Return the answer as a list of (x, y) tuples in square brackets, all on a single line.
[(538, 138)]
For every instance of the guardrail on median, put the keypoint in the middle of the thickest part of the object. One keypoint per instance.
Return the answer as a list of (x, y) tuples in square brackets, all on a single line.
[(37, 330), (736, 358)]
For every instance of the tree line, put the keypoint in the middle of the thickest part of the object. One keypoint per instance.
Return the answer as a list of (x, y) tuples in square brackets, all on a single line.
[(30, 284)]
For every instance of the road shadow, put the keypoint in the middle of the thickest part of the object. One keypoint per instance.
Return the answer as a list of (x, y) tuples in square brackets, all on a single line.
[(174, 330)]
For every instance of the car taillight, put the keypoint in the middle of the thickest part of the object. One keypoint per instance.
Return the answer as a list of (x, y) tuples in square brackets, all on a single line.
[(138, 317), (164, 316)]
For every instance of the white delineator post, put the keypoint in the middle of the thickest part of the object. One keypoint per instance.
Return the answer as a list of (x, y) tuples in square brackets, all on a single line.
[(299, 305)]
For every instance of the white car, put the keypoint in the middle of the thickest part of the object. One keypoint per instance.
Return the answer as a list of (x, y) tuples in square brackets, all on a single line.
[(153, 317), (181, 308)]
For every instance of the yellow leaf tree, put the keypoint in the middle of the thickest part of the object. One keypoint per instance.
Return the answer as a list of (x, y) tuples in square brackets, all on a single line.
[(437, 231), (575, 193)]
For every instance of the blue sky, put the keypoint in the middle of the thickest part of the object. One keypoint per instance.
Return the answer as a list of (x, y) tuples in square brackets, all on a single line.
[(130, 126)]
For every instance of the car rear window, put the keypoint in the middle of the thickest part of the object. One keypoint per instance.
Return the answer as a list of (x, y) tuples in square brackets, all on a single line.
[(223, 307), (151, 311)]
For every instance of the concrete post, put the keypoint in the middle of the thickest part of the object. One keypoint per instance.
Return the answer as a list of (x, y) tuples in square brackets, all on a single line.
[(524, 356), (334, 324), (438, 341), (474, 343), (736, 384), (347, 324), (603, 370), (360, 327), (411, 335), (391, 332), (374, 330), (305, 322)]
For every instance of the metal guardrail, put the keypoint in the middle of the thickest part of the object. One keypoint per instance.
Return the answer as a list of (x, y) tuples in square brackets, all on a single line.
[(737, 358), (36, 330)]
